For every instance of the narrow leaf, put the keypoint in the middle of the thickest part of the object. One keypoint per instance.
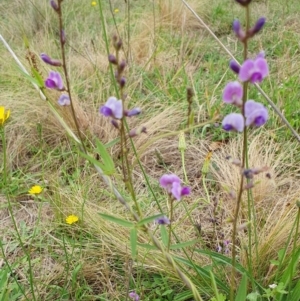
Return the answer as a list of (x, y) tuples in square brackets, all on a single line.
[(94, 161), (147, 246), (116, 220), (184, 244), (133, 242), (242, 290), (148, 219), (164, 235), (105, 156)]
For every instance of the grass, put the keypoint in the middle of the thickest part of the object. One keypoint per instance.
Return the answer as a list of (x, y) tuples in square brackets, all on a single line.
[(168, 52)]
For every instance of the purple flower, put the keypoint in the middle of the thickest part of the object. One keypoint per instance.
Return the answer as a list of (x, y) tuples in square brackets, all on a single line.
[(255, 113), (54, 81), (243, 2), (178, 191), (239, 32), (54, 5), (254, 70), (133, 295), (233, 122), (64, 100), (172, 184), (163, 220), (167, 181), (49, 60), (233, 93), (112, 108)]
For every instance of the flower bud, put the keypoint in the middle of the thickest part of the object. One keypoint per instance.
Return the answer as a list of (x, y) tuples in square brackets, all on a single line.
[(112, 59), (63, 37), (138, 131), (122, 82), (49, 60), (234, 66), (243, 2), (115, 123), (121, 66), (54, 5), (239, 32), (133, 112), (257, 27)]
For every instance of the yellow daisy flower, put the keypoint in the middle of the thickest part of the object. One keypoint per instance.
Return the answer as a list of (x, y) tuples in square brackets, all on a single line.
[(3, 115), (94, 3), (116, 10), (71, 219), (36, 189)]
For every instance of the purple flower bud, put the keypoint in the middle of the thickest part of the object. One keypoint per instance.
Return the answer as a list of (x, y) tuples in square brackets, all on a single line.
[(257, 27), (54, 81), (112, 108), (239, 32), (63, 37), (112, 59), (243, 2), (133, 295), (54, 5), (254, 70), (256, 114), (115, 123), (234, 66), (233, 93), (136, 132), (233, 122), (64, 100), (133, 112), (163, 220), (50, 61), (122, 82)]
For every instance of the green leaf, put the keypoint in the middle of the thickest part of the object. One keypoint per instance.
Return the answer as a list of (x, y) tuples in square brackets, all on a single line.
[(112, 142), (254, 296), (133, 242), (29, 77), (184, 244), (148, 219), (106, 158), (116, 220), (38, 77), (242, 290), (294, 296), (164, 235), (94, 161), (147, 246)]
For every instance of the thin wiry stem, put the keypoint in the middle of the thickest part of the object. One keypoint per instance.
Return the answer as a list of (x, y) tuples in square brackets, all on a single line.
[(64, 65)]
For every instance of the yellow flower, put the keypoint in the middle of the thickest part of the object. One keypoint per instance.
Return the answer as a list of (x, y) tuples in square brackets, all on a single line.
[(3, 115), (71, 219), (116, 10), (36, 189), (94, 3)]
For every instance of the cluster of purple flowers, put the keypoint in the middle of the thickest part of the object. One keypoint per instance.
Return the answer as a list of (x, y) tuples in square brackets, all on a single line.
[(252, 71)]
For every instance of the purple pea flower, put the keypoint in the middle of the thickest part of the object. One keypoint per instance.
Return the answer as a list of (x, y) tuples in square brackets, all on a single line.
[(233, 93), (112, 108), (254, 70), (64, 100), (233, 122), (54, 81), (163, 220), (172, 184), (256, 114), (133, 112), (133, 295), (49, 60), (167, 181)]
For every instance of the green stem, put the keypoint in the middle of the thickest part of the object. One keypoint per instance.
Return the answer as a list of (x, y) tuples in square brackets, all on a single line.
[(183, 166), (4, 156), (171, 221)]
